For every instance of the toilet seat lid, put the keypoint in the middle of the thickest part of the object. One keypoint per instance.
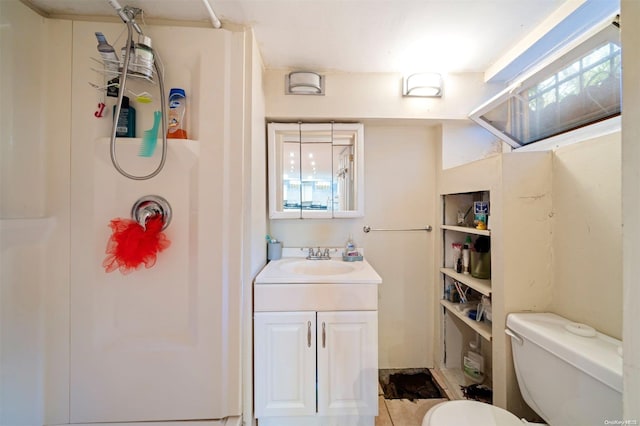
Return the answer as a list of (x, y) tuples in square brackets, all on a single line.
[(469, 413)]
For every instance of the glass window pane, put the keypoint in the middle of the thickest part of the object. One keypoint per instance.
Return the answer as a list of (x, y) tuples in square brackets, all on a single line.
[(583, 92), (569, 71)]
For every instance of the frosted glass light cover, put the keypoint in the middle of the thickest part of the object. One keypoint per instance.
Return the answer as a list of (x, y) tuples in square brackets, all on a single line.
[(426, 84), (304, 83)]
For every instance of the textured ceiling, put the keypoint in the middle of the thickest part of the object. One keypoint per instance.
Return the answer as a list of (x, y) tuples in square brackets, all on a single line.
[(357, 35)]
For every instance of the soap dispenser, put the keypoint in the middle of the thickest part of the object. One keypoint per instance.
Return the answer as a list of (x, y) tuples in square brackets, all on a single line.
[(350, 248)]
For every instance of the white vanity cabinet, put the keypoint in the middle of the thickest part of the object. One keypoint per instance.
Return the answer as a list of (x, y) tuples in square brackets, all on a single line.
[(316, 343), (291, 348)]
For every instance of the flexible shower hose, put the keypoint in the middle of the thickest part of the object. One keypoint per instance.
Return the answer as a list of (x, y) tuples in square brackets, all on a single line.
[(112, 144)]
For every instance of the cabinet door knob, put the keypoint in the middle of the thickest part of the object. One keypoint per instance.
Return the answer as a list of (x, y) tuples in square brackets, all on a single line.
[(324, 336), (308, 334)]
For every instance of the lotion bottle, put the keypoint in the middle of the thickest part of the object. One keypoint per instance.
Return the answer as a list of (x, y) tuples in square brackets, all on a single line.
[(177, 108)]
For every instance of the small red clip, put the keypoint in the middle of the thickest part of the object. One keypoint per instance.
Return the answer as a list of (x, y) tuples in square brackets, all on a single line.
[(100, 110)]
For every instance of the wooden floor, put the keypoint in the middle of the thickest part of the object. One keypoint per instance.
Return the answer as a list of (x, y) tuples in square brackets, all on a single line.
[(403, 412)]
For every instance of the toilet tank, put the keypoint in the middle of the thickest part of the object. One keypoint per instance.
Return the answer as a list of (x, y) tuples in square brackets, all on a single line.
[(568, 373)]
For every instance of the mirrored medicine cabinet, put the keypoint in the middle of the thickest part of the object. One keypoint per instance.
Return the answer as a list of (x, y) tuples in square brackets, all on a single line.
[(316, 170)]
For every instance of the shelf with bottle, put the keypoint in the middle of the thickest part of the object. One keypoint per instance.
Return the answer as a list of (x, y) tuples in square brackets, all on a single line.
[(483, 328), (466, 230), (482, 286)]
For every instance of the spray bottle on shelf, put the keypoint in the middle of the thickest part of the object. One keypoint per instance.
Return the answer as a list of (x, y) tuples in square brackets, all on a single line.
[(177, 108)]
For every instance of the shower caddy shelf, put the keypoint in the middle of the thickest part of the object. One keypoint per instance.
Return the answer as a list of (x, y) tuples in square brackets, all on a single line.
[(112, 74)]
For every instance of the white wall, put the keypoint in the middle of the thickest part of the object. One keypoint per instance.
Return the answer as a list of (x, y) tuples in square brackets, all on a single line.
[(587, 234), (630, 15), (35, 108), (24, 84), (254, 176), (465, 141)]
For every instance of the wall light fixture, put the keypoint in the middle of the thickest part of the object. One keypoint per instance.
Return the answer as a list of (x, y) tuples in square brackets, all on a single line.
[(424, 84), (304, 83)]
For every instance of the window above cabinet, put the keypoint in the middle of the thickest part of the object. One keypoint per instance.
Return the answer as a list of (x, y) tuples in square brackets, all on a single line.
[(316, 170)]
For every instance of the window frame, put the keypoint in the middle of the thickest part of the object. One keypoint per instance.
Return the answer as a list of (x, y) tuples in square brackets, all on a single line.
[(546, 69)]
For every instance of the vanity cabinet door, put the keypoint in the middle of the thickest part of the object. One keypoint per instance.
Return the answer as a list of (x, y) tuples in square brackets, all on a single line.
[(285, 363), (348, 363)]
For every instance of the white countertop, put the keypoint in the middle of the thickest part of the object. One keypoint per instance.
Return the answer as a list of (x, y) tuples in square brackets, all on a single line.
[(280, 271)]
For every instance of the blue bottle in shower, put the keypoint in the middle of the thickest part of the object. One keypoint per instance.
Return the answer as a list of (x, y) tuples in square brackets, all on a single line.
[(126, 127)]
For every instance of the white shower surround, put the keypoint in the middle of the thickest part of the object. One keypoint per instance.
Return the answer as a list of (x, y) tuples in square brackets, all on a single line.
[(58, 304), (170, 333)]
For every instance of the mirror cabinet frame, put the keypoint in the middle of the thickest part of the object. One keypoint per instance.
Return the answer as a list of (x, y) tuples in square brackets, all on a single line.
[(347, 167)]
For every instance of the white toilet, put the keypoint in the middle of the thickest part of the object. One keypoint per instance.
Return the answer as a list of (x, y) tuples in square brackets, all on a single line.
[(568, 373)]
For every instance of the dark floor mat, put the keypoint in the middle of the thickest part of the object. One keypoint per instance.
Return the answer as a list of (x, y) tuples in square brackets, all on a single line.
[(410, 386), (478, 392)]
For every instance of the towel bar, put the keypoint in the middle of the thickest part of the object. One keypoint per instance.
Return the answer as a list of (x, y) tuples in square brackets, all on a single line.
[(368, 229)]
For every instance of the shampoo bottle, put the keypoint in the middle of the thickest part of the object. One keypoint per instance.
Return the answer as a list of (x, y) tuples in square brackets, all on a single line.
[(126, 127)]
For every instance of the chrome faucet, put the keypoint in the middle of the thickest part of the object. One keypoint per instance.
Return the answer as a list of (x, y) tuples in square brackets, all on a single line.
[(319, 254)]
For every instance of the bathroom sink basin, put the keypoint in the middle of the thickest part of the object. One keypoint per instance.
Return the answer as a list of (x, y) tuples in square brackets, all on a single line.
[(298, 269), (317, 267)]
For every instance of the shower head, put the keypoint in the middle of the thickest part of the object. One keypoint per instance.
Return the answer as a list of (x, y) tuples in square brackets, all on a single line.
[(127, 14)]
